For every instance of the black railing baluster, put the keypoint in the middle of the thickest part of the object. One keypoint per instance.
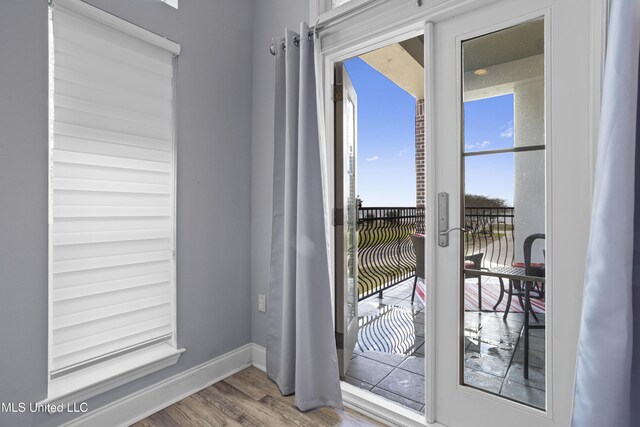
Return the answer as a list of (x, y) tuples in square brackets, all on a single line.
[(385, 252), (491, 233)]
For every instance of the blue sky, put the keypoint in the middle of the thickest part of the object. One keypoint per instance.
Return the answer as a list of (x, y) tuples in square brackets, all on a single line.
[(386, 141), (386, 138), (488, 125)]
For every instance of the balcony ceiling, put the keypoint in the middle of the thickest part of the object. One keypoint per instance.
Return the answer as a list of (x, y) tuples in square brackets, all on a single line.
[(402, 64), (501, 47)]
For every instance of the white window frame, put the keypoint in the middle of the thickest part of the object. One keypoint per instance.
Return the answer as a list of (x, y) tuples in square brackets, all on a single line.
[(101, 377)]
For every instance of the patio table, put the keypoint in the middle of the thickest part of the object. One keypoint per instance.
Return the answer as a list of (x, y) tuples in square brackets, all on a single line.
[(518, 274)]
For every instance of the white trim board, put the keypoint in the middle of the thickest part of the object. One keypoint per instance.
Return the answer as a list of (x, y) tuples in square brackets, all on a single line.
[(259, 357), (381, 409), (141, 404)]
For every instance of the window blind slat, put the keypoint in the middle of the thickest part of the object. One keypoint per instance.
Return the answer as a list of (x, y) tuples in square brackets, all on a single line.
[(109, 261), (79, 350), (82, 47), (81, 291), (109, 161), (93, 303), (102, 250), (84, 198), (112, 191), (91, 172), (94, 134), (78, 104), (88, 277), (79, 225), (82, 88), (129, 340), (94, 185), (105, 250), (100, 148), (68, 347), (106, 324), (109, 312), (94, 82), (84, 116), (110, 211), (131, 127), (60, 239)]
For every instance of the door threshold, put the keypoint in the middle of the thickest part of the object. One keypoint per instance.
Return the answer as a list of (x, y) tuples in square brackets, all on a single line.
[(381, 409)]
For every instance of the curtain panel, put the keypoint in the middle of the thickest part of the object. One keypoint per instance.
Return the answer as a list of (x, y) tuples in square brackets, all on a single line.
[(301, 349), (607, 376)]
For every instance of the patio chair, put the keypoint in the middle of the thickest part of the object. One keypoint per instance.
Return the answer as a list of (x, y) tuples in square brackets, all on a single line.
[(516, 288), (418, 247), (471, 261), (533, 269), (474, 262), (536, 270)]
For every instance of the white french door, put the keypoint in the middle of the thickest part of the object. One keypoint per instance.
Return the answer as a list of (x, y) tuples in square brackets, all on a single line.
[(534, 54), (346, 218), (545, 57)]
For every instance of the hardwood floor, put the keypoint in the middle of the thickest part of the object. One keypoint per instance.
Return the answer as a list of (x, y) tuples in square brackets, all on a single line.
[(248, 398)]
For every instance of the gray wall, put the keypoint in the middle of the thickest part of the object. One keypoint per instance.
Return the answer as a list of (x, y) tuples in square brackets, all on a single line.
[(270, 19), (214, 187)]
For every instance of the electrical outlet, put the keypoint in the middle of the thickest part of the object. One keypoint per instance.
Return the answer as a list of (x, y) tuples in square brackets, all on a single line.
[(262, 303)]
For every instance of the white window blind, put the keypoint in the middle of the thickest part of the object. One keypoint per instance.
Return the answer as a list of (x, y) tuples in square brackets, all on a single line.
[(112, 221)]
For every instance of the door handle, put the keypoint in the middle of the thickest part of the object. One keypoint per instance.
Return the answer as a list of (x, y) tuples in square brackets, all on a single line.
[(445, 232), (443, 220)]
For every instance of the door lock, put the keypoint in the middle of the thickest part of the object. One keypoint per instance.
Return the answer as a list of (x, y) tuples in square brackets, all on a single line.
[(443, 220)]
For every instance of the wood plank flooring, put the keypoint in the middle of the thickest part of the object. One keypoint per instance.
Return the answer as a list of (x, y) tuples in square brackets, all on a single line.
[(248, 398)]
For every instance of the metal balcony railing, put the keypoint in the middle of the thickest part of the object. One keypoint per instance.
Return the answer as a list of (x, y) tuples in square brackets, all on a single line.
[(491, 233), (386, 256), (385, 253)]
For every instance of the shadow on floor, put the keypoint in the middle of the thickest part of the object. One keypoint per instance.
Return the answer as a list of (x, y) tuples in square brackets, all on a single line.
[(389, 356)]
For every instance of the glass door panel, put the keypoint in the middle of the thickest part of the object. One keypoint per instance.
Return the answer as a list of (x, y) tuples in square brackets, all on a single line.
[(503, 153), (490, 195), (346, 219), (509, 209), (352, 214)]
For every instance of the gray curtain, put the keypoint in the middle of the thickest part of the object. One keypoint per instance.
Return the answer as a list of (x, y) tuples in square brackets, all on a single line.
[(301, 350), (607, 388)]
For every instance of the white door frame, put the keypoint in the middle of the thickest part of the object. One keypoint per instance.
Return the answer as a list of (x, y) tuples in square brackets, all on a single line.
[(392, 21), (364, 401), (450, 128)]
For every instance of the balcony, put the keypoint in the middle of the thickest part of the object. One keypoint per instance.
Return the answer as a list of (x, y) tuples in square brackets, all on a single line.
[(388, 358)]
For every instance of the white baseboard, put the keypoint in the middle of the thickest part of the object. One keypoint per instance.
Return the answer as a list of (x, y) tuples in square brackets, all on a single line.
[(137, 406), (259, 357), (141, 404)]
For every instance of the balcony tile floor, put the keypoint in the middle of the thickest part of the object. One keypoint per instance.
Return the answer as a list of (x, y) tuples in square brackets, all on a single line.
[(389, 357)]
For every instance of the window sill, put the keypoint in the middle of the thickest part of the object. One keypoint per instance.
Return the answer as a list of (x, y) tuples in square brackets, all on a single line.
[(90, 382)]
